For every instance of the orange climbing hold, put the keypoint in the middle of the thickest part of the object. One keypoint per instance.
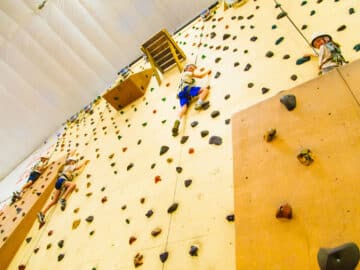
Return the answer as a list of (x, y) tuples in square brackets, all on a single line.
[(191, 150), (157, 179)]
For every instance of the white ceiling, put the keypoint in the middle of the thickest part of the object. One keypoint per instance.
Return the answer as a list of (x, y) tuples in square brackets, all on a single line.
[(56, 60)]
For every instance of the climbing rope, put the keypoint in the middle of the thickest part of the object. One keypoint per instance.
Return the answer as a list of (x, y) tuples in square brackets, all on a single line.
[(297, 28)]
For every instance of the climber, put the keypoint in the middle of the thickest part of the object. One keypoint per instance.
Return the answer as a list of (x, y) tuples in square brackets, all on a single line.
[(35, 173), (66, 174), (189, 91), (330, 55)]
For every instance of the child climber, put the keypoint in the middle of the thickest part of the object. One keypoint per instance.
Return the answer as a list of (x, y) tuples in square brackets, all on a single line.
[(65, 176), (189, 91), (330, 55), (35, 173)]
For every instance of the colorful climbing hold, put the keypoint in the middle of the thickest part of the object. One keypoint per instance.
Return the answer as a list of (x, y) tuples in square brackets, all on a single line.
[(305, 157), (164, 256), (289, 102), (284, 211), (172, 208), (156, 232)]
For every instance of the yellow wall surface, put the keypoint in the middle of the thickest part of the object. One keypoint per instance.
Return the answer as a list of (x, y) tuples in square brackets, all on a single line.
[(145, 126)]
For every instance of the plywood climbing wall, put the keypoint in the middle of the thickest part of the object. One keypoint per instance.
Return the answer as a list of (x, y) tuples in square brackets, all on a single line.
[(252, 52), (323, 195)]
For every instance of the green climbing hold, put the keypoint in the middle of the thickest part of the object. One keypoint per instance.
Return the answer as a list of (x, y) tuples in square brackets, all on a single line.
[(203, 56), (279, 40), (357, 47)]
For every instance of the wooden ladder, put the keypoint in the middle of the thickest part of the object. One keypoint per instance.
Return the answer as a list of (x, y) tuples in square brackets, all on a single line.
[(163, 53)]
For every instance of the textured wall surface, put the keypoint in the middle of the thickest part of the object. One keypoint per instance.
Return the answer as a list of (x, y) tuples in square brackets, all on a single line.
[(252, 54)]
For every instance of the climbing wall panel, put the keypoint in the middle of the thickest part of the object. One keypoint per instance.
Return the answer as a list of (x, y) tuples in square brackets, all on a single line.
[(323, 196), (16, 219), (252, 55), (314, 16)]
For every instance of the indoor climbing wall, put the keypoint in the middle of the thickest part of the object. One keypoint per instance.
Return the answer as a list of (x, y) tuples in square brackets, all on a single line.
[(154, 201), (320, 188)]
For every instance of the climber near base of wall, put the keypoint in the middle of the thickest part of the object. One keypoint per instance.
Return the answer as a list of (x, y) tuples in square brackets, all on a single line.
[(66, 174), (330, 55), (35, 173), (189, 91)]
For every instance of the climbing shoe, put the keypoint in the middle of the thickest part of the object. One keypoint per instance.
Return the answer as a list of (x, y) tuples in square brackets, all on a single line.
[(175, 129), (63, 204), (41, 218), (198, 106)]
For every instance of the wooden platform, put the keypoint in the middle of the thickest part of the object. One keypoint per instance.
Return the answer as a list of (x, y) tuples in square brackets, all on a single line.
[(124, 93)]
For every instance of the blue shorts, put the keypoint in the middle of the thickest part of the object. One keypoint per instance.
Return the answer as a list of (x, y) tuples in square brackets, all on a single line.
[(59, 182), (186, 94), (33, 176)]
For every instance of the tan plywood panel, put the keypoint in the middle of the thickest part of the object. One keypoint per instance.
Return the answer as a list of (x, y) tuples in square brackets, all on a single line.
[(17, 219), (323, 195), (350, 74)]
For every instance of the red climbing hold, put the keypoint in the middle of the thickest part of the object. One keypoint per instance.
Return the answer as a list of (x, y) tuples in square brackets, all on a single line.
[(104, 199), (132, 240), (284, 211), (157, 179), (191, 150)]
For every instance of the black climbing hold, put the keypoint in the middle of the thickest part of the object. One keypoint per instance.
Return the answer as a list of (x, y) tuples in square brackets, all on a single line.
[(194, 123), (270, 134), (28, 239), (250, 17), (247, 67), (274, 26), (269, 54), (357, 47), (149, 213), (264, 90), (215, 114), (226, 36), (305, 157), (293, 77), (123, 207), (172, 208), (90, 219), (345, 256), (204, 133), (277, 5), (281, 15), (61, 243), (217, 60), (179, 169), (193, 250), (302, 60), (139, 142), (215, 140), (286, 56), (205, 105), (254, 38), (60, 257), (164, 256), (233, 17), (246, 51), (212, 34), (127, 221), (163, 149), (250, 85), (236, 64), (187, 182), (184, 139), (303, 27), (341, 28), (217, 75), (234, 37), (225, 48), (289, 102), (230, 218), (351, 11), (312, 12), (130, 166), (279, 40), (153, 166), (242, 27), (303, 3), (240, 18), (227, 121), (227, 96)]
